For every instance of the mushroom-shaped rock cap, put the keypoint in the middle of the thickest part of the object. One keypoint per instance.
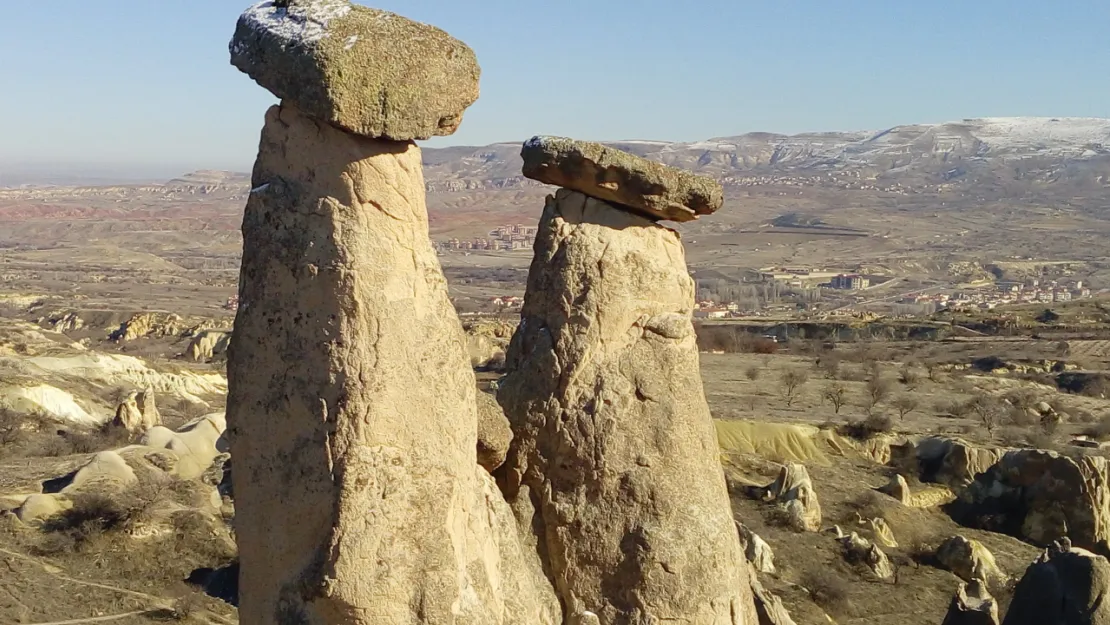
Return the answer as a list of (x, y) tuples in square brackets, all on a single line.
[(615, 176), (370, 72)]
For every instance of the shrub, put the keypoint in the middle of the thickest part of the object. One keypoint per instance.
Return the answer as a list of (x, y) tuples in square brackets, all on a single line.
[(1100, 430), (909, 377), (827, 588), (865, 429), (11, 427), (752, 372)]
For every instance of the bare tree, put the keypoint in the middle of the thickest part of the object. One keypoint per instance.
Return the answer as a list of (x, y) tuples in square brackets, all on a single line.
[(989, 411), (835, 394), (876, 392), (905, 405), (790, 384)]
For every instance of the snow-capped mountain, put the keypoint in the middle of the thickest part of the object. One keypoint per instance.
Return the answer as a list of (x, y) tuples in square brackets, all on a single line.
[(1020, 147)]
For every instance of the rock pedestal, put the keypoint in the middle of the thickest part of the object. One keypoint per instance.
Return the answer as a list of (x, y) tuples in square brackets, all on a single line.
[(972, 605), (1065, 586), (352, 403), (614, 463)]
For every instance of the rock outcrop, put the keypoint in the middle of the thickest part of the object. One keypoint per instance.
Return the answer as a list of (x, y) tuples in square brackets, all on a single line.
[(1041, 496), (148, 325), (207, 345), (614, 462), (970, 560), (972, 605), (953, 462), (793, 490), (1065, 586), (756, 550), (648, 187), (371, 72), (137, 412), (352, 409)]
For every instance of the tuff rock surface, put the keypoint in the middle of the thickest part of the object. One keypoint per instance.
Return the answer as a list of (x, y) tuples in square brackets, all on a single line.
[(1041, 496), (370, 72), (605, 173), (614, 463), (351, 410)]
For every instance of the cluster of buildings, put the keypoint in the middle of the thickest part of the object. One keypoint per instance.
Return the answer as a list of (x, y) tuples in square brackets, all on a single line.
[(713, 310), (802, 276), (851, 179), (1005, 293), (500, 239)]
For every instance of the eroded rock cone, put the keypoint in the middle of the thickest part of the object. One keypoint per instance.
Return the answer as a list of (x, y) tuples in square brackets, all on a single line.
[(352, 404), (972, 605), (1065, 586), (614, 462)]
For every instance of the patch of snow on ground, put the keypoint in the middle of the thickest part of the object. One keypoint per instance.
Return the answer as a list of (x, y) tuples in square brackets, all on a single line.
[(302, 24)]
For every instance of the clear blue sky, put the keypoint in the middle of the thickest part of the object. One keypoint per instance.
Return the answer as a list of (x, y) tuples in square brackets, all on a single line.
[(147, 83)]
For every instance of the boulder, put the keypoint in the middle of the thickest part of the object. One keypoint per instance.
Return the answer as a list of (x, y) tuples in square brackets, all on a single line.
[(605, 173), (972, 605), (207, 344), (1041, 496), (859, 550), (370, 72), (970, 560), (1065, 586), (614, 462), (494, 433), (756, 550), (351, 409), (794, 490)]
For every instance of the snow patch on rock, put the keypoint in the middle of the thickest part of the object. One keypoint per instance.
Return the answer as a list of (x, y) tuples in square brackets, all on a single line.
[(298, 25)]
